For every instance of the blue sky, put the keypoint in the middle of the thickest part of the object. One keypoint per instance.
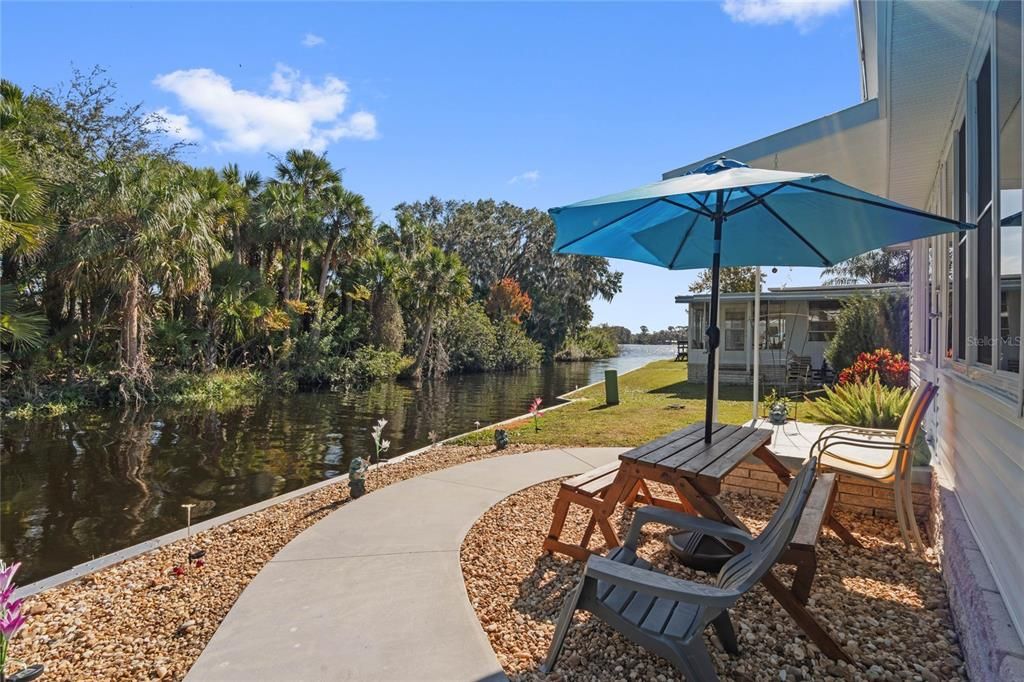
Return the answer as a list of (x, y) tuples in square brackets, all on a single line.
[(537, 104)]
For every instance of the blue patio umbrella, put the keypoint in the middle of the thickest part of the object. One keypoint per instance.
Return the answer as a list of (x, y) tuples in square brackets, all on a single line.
[(726, 213)]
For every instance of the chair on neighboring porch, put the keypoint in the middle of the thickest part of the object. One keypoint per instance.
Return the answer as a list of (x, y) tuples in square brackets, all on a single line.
[(881, 455)]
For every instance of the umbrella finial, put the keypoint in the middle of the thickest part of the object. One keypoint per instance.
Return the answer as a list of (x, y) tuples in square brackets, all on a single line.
[(720, 164)]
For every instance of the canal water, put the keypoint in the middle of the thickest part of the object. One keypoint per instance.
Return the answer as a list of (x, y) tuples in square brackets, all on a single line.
[(89, 483)]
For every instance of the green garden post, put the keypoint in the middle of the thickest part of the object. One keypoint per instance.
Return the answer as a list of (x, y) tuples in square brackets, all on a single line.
[(611, 387)]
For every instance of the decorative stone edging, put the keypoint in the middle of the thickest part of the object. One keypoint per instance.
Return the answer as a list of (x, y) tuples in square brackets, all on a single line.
[(992, 649)]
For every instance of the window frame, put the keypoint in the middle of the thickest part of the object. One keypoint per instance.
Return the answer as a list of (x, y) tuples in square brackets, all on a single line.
[(1005, 386), (833, 306)]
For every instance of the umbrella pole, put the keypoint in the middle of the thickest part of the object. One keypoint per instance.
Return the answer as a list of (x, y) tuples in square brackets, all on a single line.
[(757, 339), (713, 331)]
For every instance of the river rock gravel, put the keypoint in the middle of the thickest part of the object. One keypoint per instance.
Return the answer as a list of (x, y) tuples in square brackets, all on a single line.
[(149, 618), (887, 607)]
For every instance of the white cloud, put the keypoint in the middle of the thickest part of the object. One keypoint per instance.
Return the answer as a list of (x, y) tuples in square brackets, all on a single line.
[(805, 14), (174, 125), (527, 176), (294, 112), (312, 40)]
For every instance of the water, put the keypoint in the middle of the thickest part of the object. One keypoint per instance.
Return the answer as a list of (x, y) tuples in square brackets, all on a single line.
[(90, 483)]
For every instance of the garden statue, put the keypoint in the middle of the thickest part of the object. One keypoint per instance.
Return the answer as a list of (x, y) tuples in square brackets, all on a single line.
[(500, 439), (357, 477)]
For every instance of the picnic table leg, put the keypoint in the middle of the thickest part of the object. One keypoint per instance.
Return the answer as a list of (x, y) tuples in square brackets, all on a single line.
[(710, 507), (782, 471), (561, 509), (806, 566), (804, 619), (634, 493)]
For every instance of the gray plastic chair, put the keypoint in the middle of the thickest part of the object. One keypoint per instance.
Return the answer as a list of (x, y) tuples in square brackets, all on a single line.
[(667, 615)]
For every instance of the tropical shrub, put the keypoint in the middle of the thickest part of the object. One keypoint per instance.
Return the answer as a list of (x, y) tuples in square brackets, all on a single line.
[(868, 403), (890, 368), (470, 340), (868, 322), (369, 364), (514, 349)]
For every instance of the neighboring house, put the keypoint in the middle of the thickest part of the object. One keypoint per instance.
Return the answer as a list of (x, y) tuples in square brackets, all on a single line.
[(940, 128), (796, 325)]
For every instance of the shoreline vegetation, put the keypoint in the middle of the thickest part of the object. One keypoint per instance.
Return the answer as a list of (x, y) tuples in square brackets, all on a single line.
[(131, 276)]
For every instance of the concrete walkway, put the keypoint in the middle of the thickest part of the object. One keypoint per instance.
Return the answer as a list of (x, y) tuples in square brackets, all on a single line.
[(375, 591)]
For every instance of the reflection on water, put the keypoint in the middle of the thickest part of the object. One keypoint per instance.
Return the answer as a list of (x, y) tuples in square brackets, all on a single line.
[(90, 483)]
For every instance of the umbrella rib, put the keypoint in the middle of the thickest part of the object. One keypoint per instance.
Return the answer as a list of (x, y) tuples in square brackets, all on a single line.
[(704, 203), (756, 201), (785, 223), (705, 213), (608, 224), (682, 243), (902, 209)]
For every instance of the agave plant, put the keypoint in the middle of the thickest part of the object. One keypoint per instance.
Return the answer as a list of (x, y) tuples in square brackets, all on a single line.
[(868, 404)]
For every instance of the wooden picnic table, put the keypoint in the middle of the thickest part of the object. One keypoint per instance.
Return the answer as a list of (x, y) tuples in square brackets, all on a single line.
[(695, 470)]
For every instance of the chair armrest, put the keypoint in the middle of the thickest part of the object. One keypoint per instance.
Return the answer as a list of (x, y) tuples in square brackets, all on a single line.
[(657, 584), (858, 431), (820, 448), (671, 517)]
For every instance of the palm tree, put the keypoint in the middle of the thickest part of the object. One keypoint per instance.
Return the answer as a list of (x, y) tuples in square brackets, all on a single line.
[(21, 328), (346, 238), (283, 215), (146, 231), (242, 193), (437, 281), (24, 227), (387, 329), (311, 174)]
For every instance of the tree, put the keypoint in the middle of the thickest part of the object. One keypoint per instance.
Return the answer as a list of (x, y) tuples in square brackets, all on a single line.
[(309, 176), (145, 231), (240, 204), (496, 240), (347, 238), (732, 280), (866, 323), (873, 267), (437, 281), (387, 329), (508, 302)]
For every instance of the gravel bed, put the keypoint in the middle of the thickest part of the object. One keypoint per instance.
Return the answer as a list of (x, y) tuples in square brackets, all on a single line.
[(886, 607), (140, 621)]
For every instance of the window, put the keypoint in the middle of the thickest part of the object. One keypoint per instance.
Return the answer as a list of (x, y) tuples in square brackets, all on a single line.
[(698, 323), (772, 327), (983, 204), (735, 330), (821, 320), (950, 249), (1008, 231), (961, 248)]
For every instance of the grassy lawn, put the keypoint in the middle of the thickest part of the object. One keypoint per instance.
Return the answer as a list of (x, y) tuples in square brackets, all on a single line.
[(653, 401)]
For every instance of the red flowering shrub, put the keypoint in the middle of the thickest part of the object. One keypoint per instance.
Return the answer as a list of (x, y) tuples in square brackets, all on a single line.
[(891, 368)]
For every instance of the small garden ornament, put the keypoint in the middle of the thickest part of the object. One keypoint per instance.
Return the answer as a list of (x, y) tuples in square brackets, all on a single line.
[(500, 439), (357, 478), (778, 408), (537, 414), (357, 469)]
